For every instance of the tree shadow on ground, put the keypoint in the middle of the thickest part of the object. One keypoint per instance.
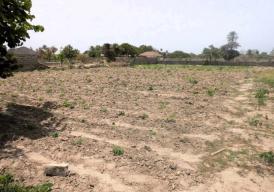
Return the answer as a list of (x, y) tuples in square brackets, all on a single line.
[(25, 121)]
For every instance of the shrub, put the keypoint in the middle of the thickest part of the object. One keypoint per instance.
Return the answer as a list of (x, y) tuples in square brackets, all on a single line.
[(117, 151)]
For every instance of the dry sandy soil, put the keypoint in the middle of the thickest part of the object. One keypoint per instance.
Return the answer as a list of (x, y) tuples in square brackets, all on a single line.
[(175, 136)]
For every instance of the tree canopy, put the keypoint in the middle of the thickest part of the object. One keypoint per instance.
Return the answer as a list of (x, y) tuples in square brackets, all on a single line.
[(229, 50), (69, 53), (15, 22), (178, 54), (211, 53), (46, 52)]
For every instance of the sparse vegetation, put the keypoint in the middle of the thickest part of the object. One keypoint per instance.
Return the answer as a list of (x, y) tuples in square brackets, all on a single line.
[(192, 81), (150, 88), (163, 104), (255, 121), (171, 118), (54, 134), (79, 141), (144, 116), (268, 157), (266, 77), (68, 104), (121, 113), (8, 184), (104, 109), (211, 92), (117, 151), (261, 96)]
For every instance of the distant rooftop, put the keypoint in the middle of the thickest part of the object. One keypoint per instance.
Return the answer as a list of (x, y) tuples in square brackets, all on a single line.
[(22, 51), (151, 54)]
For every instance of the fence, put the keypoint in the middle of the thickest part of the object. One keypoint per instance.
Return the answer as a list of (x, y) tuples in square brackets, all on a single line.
[(171, 61)]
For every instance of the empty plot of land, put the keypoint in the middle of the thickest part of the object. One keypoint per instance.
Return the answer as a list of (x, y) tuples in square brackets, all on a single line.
[(138, 129)]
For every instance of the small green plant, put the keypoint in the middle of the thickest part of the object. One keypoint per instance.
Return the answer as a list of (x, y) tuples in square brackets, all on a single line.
[(121, 113), (49, 90), (163, 105), (54, 134), (104, 110), (78, 141), (68, 104), (171, 119), (211, 92), (192, 81), (143, 116), (261, 96), (7, 184), (152, 133), (268, 157), (150, 88), (255, 121), (117, 151)]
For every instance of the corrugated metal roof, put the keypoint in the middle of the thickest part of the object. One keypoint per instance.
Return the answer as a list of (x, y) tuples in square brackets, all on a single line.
[(22, 51), (151, 54)]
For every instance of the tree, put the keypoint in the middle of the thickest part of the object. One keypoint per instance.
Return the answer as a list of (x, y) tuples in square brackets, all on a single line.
[(117, 49), (108, 52), (83, 58), (211, 54), (232, 39), (15, 22), (94, 51), (178, 54), (272, 53), (46, 53), (128, 50), (60, 57), (145, 48), (69, 53), (229, 50)]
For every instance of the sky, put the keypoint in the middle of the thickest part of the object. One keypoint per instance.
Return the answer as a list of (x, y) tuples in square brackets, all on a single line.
[(188, 25)]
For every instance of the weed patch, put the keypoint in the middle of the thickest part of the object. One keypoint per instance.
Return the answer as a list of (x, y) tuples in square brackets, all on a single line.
[(118, 151), (268, 157), (261, 96), (7, 184)]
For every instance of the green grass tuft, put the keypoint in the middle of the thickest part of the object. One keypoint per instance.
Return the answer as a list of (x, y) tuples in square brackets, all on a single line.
[(118, 151), (268, 157), (7, 184)]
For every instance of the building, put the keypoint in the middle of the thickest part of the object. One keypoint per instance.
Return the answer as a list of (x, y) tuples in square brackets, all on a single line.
[(26, 58), (151, 54)]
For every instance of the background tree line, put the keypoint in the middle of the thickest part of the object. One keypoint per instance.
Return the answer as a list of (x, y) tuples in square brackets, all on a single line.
[(211, 54)]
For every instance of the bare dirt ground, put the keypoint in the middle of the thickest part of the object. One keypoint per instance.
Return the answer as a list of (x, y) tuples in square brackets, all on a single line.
[(181, 129)]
